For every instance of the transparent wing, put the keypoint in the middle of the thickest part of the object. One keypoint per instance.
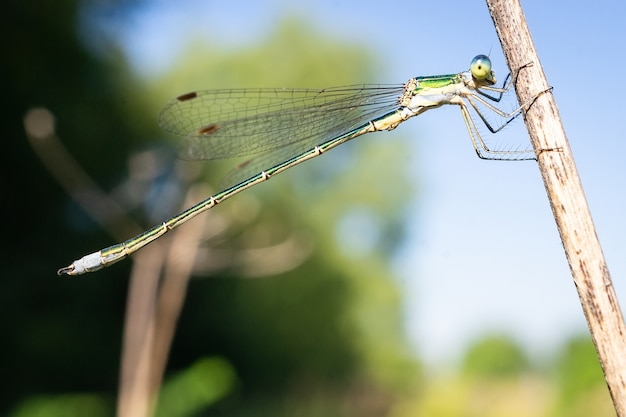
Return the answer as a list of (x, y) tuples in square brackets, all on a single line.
[(220, 124)]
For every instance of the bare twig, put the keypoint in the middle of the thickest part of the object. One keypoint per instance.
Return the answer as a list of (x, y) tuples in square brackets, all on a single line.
[(40, 131), (135, 396), (177, 270), (567, 199)]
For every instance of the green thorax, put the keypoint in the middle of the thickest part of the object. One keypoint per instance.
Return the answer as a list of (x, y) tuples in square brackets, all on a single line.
[(436, 81)]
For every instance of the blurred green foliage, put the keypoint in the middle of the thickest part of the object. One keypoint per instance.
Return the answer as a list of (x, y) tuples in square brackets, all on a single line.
[(65, 405), (495, 356), (496, 378), (193, 389), (582, 389)]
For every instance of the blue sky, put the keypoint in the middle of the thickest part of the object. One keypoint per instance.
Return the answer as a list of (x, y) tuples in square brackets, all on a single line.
[(484, 253)]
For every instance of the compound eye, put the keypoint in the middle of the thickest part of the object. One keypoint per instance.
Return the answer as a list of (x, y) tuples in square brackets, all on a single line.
[(480, 67)]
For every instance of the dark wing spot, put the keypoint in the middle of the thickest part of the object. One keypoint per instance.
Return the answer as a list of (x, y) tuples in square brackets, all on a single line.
[(243, 164), (187, 96), (207, 130)]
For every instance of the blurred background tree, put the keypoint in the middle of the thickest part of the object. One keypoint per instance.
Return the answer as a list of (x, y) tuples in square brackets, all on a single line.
[(581, 387), (58, 335), (496, 355), (324, 335)]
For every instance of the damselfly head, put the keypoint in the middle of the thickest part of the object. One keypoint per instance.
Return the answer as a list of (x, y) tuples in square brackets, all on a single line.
[(480, 68)]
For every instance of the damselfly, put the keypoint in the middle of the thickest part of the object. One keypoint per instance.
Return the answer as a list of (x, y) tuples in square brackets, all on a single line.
[(284, 127)]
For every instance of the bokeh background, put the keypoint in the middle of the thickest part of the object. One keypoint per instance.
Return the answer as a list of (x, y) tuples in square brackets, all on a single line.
[(399, 275)]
